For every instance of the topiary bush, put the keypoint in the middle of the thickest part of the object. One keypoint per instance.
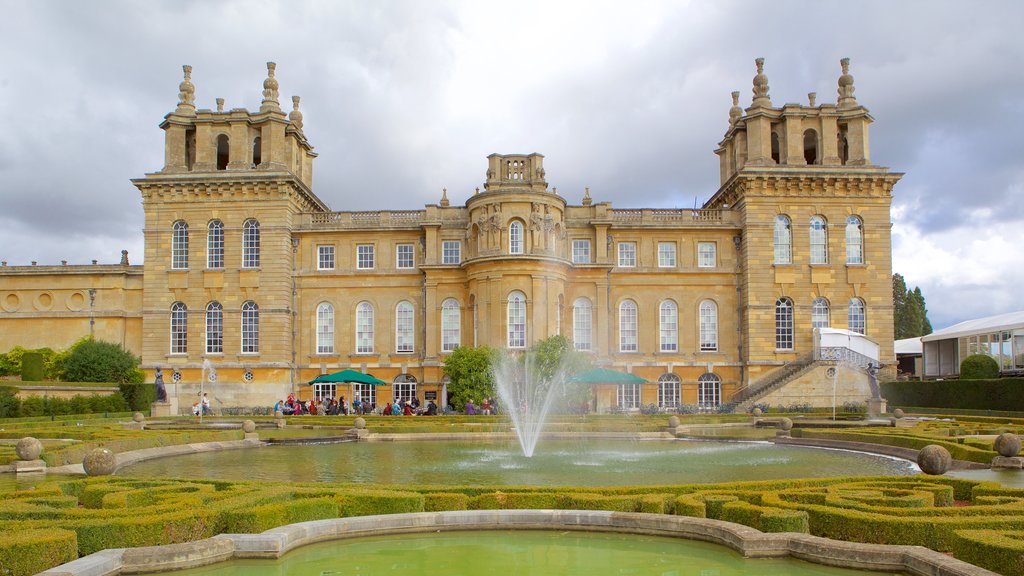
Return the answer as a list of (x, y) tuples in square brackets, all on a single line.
[(32, 366), (979, 367)]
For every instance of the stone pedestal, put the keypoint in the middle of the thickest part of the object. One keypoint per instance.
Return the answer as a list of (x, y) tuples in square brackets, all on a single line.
[(160, 409), (135, 426), (27, 466), (1016, 462), (362, 433), (252, 436), (877, 407)]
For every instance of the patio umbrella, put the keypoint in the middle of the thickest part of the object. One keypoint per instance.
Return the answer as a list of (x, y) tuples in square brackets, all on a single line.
[(606, 376), (347, 376)]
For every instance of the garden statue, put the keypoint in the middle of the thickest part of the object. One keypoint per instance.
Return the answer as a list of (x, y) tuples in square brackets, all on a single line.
[(161, 391)]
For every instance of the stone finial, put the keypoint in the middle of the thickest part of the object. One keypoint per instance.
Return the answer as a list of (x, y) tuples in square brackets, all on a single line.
[(95, 262), (63, 262), (735, 113), (761, 85), (270, 94), (846, 98), (477, 191), (812, 99), (295, 116), (220, 104), (587, 200), (186, 93), (444, 197), (124, 257)]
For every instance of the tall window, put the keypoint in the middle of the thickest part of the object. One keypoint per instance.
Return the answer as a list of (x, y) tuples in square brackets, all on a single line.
[(628, 396), (668, 391), (405, 325), (707, 256), (325, 257), (783, 240), (709, 391), (251, 244), (819, 313), (367, 393), (451, 252), (854, 240), (325, 329), (364, 328), (627, 254), (364, 256), (405, 256), (627, 326), (668, 326), (819, 240), (323, 390), (179, 246), (784, 324), (666, 254), (515, 237), (250, 328), (517, 320), (179, 328), (581, 251), (215, 244), (404, 387), (708, 326), (856, 320), (582, 325), (451, 325), (214, 328)]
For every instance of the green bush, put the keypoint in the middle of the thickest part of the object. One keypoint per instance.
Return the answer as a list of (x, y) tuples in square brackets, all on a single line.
[(258, 519), (28, 552), (443, 501), (979, 367), (1000, 394), (98, 361), (138, 396), (10, 405), (32, 366)]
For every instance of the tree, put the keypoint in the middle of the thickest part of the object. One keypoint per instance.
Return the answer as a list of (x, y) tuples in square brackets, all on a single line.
[(470, 371), (910, 315), (556, 357), (98, 361)]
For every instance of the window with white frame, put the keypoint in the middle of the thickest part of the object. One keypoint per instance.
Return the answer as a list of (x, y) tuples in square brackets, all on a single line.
[(819, 240), (668, 326), (323, 390), (517, 320), (515, 237), (215, 244), (179, 246), (666, 254), (854, 240), (708, 326), (707, 255), (214, 328), (709, 392), (669, 386), (367, 394), (404, 387), (179, 328), (582, 325), (783, 237), (251, 244), (250, 328), (819, 313), (581, 251), (451, 325), (405, 256), (325, 257), (405, 325), (628, 396), (325, 329), (627, 254), (364, 256), (364, 328), (857, 321), (627, 326), (783, 324), (451, 252)]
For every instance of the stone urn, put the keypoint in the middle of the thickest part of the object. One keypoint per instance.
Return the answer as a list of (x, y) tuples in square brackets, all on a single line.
[(1006, 444), (29, 448), (934, 459), (100, 462), (248, 426), (360, 423)]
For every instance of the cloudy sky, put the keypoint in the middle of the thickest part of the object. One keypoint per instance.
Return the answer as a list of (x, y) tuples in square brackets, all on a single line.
[(404, 98)]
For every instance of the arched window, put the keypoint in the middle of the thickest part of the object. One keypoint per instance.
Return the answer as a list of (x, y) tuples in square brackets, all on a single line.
[(810, 146), (325, 329), (179, 246), (451, 325), (668, 391), (179, 328), (819, 240), (257, 151), (819, 313), (856, 320), (404, 387), (784, 324), (215, 244), (214, 328), (364, 328), (517, 320), (854, 240), (222, 152), (783, 240), (405, 325), (708, 326), (583, 325), (250, 328), (627, 326), (668, 326), (515, 237), (251, 244), (709, 392)]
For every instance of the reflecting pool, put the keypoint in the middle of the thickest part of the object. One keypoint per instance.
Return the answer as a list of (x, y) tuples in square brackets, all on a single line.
[(555, 463)]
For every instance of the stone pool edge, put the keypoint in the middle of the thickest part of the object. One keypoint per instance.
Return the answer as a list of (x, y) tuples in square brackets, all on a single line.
[(749, 542)]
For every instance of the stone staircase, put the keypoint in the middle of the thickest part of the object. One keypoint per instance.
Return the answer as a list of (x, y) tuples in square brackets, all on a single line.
[(745, 398)]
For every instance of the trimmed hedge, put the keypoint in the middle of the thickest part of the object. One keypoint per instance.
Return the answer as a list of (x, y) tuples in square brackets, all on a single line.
[(32, 366), (979, 367), (32, 551), (998, 394)]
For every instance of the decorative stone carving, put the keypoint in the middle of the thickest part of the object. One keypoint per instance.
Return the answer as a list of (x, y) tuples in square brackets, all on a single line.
[(270, 94), (934, 459), (248, 426), (673, 421), (1007, 444), (100, 462), (785, 424), (295, 116), (846, 98), (186, 93), (735, 113), (898, 413), (761, 85), (28, 448), (138, 417), (360, 423), (757, 412)]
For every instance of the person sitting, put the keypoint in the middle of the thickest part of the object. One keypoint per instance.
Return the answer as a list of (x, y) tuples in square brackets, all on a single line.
[(342, 407), (487, 407), (357, 405), (387, 410), (312, 408), (431, 408), (470, 408), (279, 406), (407, 409), (396, 409)]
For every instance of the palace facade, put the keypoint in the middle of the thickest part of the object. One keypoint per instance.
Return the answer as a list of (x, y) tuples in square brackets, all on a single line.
[(247, 269)]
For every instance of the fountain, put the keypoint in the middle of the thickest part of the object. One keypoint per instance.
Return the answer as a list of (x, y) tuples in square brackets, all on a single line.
[(527, 393)]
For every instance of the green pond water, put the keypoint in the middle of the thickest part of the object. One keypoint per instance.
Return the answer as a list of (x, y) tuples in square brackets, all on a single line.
[(518, 553), (555, 463)]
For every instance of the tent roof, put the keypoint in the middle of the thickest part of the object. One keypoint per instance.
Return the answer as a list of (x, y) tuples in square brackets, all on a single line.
[(1007, 321), (606, 376), (909, 346), (347, 376)]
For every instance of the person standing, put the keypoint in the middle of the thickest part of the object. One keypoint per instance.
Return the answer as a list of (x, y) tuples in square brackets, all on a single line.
[(470, 409)]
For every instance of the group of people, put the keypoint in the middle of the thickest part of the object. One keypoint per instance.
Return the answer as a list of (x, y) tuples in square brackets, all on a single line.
[(340, 407), (487, 408), (203, 404)]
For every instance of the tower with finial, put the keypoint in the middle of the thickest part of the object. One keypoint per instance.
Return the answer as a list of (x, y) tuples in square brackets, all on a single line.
[(270, 94)]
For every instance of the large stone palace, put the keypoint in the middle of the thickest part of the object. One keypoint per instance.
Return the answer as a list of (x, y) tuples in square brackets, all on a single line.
[(248, 270)]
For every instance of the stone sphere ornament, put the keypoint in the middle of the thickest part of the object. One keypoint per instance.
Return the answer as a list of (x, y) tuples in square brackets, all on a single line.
[(278, 415), (138, 417), (673, 421), (28, 448), (934, 459), (248, 426), (898, 413), (757, 412), (1007, 444), (360, 423), (785, 424), (100, 462)]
